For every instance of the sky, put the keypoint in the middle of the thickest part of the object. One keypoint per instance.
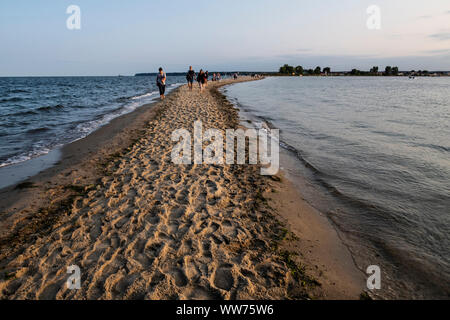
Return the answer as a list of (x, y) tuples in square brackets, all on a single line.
[(128, 37)]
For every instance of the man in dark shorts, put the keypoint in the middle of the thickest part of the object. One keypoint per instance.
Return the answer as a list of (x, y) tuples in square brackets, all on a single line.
[(161, 83), (190, 76)]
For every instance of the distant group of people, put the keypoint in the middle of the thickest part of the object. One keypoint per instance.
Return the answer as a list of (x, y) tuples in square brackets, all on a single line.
[(216, 77), (257, 76), (201, 78)]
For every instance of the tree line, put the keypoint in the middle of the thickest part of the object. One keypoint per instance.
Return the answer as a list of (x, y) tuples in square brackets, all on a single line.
[(374, 71), (287, 69)]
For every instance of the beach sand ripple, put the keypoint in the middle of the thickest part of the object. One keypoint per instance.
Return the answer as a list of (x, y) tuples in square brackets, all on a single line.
[(155, 230)]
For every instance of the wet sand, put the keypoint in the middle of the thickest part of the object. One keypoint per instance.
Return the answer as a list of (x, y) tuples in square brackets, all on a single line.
[(141, 227)]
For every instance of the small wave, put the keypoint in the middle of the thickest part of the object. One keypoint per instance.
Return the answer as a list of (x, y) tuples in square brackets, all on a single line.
[(50, 108), (139, 96), (77, 107), (22, 113), (37, 130), (14, 99), (14, 160), (434, 147), (123, 99), (24, 157), (143, 95), (297, 153), (18, 91), (390, 134)]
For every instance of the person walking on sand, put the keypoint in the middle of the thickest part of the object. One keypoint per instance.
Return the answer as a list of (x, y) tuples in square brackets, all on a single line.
[(206, 78), (161, 83), (201, 79), (190, 76)]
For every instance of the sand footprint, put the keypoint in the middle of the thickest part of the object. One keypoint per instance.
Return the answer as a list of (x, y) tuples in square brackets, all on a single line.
[(223, 277)]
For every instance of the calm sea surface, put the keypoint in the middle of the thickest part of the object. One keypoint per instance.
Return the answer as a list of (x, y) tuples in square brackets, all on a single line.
[(380, 149)]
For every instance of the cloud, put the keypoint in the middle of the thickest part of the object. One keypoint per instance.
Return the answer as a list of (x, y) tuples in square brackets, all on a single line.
[(442, 36)]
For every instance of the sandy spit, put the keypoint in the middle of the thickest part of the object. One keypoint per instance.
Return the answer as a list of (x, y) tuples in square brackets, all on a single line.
[(141, 227)]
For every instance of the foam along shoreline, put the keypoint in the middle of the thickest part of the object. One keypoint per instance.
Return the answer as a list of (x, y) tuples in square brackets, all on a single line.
[(15, 173), (23, 167), (141, 227)]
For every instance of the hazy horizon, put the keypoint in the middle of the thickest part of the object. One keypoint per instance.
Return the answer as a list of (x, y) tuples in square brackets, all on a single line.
[(139, 36)]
